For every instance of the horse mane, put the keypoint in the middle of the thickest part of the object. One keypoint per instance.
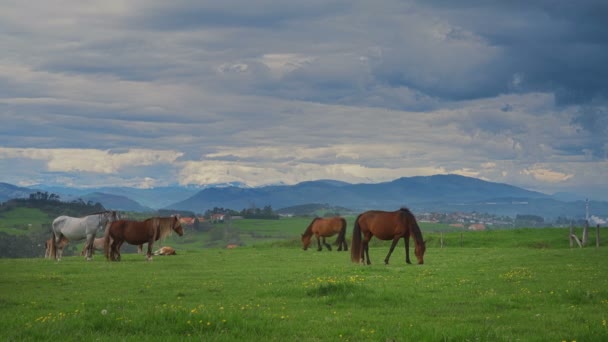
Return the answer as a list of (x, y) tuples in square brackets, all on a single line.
[(165, 229), (308, 230), (406, 210), (416, 232), (99, 213)]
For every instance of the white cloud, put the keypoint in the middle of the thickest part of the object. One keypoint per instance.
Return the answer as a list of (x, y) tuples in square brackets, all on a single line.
[(544, 174), (89, 160)]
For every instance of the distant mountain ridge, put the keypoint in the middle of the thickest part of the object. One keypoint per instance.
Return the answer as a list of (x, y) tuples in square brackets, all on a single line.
[(441, 193), (438, 193)]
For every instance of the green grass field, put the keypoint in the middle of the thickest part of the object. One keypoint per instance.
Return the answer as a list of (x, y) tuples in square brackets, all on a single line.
[(505, 285)]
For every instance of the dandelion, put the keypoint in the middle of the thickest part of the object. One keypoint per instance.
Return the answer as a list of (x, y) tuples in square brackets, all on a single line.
[(104, 312)]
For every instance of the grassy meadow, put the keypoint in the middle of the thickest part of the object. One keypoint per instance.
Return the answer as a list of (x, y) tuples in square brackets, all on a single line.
[(499, 285)]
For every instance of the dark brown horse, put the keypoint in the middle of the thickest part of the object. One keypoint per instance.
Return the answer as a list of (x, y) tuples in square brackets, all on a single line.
[(386, 225), (326, 227), (137, 233)]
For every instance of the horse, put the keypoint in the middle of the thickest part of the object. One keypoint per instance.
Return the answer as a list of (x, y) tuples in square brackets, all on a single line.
[(137, 233), (62, 243), (78, 228), (326, 227), (386, 226), (165, 251)]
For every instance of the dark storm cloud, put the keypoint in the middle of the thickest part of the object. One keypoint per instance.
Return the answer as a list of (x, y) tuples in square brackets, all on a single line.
[(556, 46)]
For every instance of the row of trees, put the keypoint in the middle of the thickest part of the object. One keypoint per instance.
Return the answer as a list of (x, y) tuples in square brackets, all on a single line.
[(250, 213)]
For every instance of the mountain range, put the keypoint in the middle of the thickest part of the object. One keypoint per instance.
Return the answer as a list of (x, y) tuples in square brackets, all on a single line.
[(438, 193)]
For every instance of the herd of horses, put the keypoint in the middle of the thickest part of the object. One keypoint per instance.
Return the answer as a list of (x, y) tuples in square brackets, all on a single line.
[(116, 231), (384, 225)]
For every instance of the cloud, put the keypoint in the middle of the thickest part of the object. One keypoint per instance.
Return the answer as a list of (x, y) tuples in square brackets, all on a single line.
[(86, 160), (546, 175), (152, 93)]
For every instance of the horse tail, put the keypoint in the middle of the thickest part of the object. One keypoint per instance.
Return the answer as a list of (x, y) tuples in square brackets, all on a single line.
[(106, 241), (355, 247)]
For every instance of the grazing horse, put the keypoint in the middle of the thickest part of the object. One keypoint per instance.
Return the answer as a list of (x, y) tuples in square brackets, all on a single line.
[(62, 243), (165, 251), (386, 225), (137, 233), (78, 228), (326, 227)]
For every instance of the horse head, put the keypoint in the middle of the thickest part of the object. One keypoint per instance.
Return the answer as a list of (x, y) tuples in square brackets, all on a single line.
[(306, 241), (419, 251)]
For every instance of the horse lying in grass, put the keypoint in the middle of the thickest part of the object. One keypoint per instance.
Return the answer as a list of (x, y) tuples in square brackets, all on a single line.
[(137, 233), (326, 227), (386, 225), (165, 251)]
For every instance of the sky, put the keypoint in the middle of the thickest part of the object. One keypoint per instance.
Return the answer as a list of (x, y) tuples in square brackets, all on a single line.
[(155, 93)]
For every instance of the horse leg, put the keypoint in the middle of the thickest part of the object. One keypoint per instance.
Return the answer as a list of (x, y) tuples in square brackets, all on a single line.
[(149, 254), (343, 245), (56, 240), (365, 249), (115, 250), (328, 246), (407, 249), (89, 246), (319, 248), (390, 251)]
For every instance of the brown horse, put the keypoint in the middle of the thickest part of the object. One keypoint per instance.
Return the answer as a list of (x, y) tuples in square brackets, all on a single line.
[(60, 246), (326, 227), (386, 225), (98, 245), (137, 233)]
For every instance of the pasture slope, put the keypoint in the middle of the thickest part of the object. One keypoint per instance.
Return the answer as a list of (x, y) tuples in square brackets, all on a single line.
[(520, 285)]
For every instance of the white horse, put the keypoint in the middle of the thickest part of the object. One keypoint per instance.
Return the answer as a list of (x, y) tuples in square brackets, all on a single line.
[(78, 228)]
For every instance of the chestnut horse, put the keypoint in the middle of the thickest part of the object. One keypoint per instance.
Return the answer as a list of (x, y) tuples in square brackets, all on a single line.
[(386, 225), (165, 251), (326, 227), (49, 243), (137, 233), (98, 245)]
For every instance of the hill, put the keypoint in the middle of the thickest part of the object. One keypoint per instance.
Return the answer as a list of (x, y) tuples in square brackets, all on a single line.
[(115, 202), (9, 191), (441, 193)]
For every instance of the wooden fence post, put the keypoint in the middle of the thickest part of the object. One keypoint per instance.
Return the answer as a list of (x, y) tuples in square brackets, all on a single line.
[(570, 236), (597, 236), (585, 233)]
